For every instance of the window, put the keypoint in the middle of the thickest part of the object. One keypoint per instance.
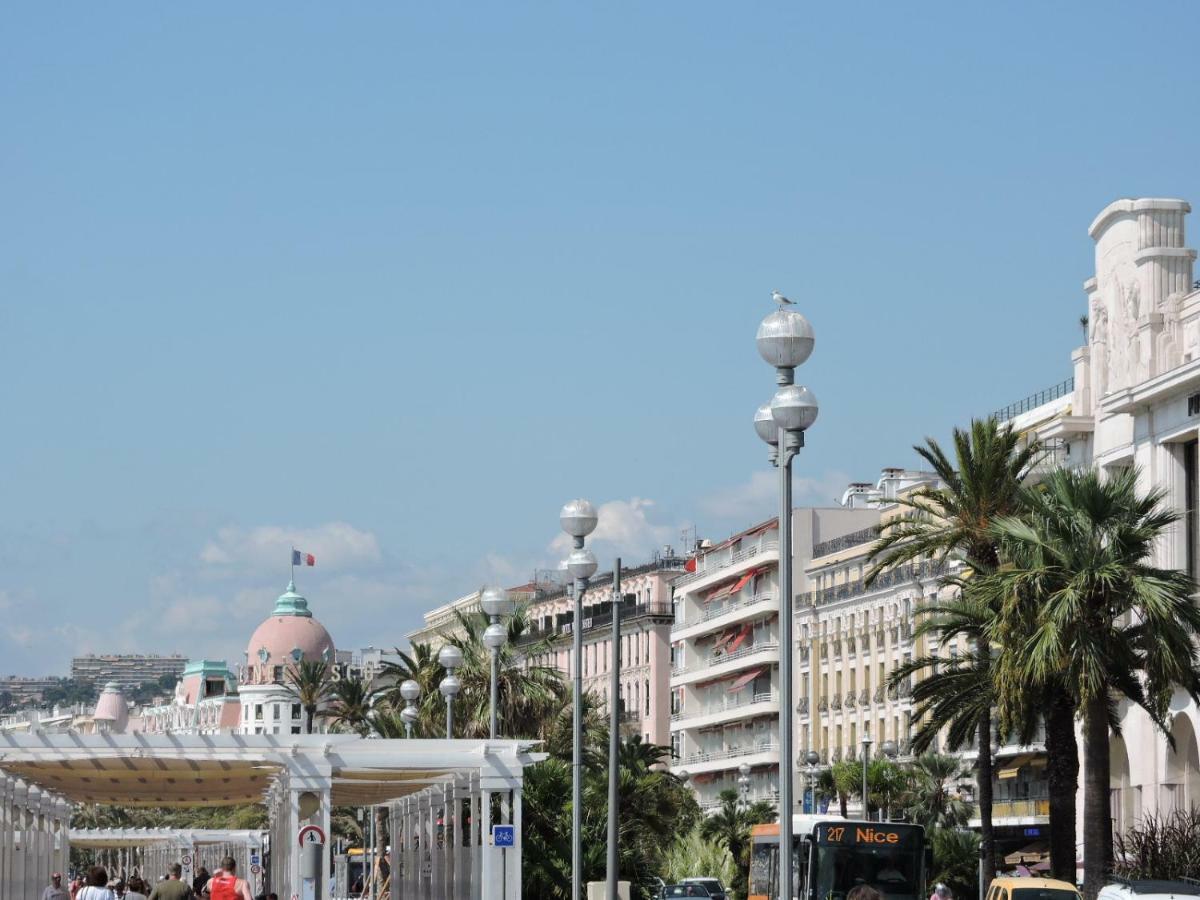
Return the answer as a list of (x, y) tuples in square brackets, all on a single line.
[(647, 696), (1194, 405), (1191, 520), (275, 712), (295, 710), (258, 712), (295, 729)]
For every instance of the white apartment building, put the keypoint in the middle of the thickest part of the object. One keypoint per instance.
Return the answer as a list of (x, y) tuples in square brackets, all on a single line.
[(725, 652)]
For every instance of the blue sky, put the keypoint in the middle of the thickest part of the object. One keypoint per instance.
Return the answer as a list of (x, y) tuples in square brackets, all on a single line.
[(394, 281)]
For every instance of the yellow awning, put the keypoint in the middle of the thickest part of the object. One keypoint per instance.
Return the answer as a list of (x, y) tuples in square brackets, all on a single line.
[(1014, 767)]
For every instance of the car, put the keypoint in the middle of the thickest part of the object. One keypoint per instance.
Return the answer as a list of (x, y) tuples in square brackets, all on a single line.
[(1149, 889), (685, 890), (713, 885), (1032, 889)]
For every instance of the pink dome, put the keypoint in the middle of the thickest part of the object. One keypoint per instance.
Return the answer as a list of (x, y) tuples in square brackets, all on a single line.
[(290, 635), (112, 712)]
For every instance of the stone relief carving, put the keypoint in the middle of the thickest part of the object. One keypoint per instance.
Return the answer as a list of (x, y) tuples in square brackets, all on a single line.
[(1099, 342)]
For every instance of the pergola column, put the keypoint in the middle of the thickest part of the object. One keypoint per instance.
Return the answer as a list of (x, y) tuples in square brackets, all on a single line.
[(477, 816), (412, 865), (449, 841), (6, 834), (319, 783), (49, 816)]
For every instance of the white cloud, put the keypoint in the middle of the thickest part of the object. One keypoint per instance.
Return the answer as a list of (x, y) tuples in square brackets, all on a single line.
[(758, 498), (334, 544), (624, 529)]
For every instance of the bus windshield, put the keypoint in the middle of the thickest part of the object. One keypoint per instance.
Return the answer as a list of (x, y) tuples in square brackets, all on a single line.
[(838, 869), (887, 856)]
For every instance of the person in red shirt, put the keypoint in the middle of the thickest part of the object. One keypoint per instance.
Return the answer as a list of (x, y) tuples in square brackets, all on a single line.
[(226, 885)]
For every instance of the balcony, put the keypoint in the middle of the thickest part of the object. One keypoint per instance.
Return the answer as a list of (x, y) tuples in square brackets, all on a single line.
[(1029, 811), (846, 541), (702, 666), (729, 753), (891, 578), (736, 705), (850, 701), (695, 623), (705, 568)]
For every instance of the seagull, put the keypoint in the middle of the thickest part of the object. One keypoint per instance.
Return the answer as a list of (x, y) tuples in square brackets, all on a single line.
[(780, 299)]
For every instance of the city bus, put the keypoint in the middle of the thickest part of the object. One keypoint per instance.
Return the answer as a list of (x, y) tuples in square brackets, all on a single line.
[(831, 855)]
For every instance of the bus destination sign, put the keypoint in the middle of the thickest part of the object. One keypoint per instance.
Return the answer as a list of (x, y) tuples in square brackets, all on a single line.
[(864, 833)]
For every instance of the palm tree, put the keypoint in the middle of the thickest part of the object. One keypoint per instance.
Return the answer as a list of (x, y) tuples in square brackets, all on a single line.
[(311, 682), (526, 695), (932, 799), (1108, 622), (353, 701), (840, 780), (729, 827), (954, 519)]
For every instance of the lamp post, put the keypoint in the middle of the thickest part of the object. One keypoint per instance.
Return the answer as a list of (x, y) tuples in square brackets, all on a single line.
[(785, 341), (744, 783), (578, 519), (866, 745), (450, 658), (410, 691), (496, 603), (809, 760), (889, 751)]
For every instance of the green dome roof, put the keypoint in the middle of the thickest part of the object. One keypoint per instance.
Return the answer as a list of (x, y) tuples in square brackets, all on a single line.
[(291, 604)]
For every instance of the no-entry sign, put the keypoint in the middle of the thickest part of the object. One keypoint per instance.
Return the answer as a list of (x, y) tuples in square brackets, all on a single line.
[(310, 834)]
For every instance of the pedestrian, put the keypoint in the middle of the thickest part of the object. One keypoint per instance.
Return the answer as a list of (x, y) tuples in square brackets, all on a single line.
[(200, 880), (227, 885), (97, 886), (863, 892), (172, 887), (941, 892), (55, 891), (137, 889)]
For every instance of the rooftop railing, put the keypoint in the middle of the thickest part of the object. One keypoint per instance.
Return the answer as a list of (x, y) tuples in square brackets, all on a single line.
[(846, 541), (598, 620), (1033, 401)]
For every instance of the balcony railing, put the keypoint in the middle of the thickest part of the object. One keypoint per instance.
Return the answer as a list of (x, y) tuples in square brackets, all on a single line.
[(704, 568), (730, 752), (712, 611), (598, 620), (742, 653), (1034, 806), (734, 702), (771, 796), (890, 578)]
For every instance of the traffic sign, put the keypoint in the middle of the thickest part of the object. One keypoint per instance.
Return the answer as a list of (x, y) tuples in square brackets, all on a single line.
[(504, 836), (254, 869), (255, 859), (311, 834)]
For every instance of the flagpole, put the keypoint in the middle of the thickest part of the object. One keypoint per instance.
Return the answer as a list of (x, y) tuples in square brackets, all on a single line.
[(293, 559)]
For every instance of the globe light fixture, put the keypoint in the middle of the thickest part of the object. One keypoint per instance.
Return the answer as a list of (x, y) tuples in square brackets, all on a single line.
[(410, 691), (495, 602), (785, 340), (744, 783), (578, 519), (450, 658)]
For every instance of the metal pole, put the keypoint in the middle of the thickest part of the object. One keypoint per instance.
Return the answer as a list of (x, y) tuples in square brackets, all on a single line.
[(866, 745), (785, 651), (495, 691), (614, 735), (577, 740), (449, 717)]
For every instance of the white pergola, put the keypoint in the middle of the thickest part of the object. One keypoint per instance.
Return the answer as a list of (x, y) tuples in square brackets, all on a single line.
[(149, 851), (299, 778)]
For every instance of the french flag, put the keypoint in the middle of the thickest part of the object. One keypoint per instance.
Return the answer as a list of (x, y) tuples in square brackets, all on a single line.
[(303, 559)]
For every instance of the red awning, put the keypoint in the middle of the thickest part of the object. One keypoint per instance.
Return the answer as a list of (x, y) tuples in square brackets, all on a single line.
[(745, 679), (741, 637), (721, 592), (741, 582), (724, 639)]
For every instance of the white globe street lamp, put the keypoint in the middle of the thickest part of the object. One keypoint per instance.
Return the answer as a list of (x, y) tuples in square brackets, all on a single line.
[(410, 691), (495, 603), (450, 658), (785, 340), (578, 519)]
